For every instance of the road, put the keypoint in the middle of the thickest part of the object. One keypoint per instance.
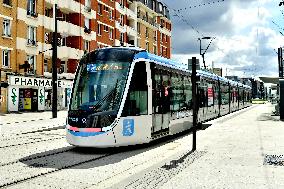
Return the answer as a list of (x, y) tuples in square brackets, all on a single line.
[(34, 154)]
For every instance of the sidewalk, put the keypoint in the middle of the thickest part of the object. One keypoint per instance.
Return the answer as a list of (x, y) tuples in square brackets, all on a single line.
[(30, 116), (242, 150), (238, 154)]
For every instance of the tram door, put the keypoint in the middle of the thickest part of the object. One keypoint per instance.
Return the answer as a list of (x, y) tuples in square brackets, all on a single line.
[(161, 100)]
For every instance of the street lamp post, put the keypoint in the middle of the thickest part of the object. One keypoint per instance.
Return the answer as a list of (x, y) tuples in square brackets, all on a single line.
[(200, 49), (54, 65)]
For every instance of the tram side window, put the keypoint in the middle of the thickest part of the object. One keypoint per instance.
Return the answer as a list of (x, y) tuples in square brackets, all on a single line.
[(188, 93), (216, 93), (202, 94), (137, 98), (225, 93), (162, 91), (241, 94), (178, 99)]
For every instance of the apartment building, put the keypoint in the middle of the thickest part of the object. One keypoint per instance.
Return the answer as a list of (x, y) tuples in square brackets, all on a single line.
[(83, 25)]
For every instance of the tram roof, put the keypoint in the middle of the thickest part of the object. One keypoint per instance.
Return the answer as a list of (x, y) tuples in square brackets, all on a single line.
[(161, 60), (142, 53)]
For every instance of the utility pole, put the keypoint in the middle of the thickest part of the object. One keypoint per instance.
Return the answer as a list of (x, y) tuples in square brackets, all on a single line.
[(280, 62), (200, 49), (194, 102), (54, 65)]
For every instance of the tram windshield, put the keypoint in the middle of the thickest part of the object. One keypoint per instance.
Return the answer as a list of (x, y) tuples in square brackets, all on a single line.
[(101, 80)]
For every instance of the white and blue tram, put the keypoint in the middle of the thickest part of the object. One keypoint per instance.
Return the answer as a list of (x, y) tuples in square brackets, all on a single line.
[(125, 96)]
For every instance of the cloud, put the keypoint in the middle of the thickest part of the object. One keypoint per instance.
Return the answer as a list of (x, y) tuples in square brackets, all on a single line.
[(244, 38)]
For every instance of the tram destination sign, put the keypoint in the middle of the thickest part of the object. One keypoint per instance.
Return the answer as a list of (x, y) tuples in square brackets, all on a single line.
[(37, 82)]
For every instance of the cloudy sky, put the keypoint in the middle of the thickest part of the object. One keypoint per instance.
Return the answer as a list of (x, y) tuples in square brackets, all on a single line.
[(245, 35)]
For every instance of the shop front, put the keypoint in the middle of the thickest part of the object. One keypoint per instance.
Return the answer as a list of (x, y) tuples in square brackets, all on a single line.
[(35, 94)]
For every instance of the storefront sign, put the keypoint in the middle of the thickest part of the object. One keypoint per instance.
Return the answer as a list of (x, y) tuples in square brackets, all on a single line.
[(13, 98), (37, 82), (41, 98)]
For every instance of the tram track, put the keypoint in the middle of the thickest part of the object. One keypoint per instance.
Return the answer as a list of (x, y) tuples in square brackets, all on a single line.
[(32, 142), (29, 172), (40, 131), (38, 156)]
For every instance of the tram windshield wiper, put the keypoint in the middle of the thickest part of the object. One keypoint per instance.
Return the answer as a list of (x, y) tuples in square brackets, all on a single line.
[(107, 98)]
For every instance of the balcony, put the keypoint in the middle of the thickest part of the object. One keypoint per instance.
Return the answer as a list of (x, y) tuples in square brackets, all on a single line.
[(88, 9), (120, 27), (62, 27), (120, 8), (131, 14), (64, 52), (69, 5), (131, 31), (164, 30), (148, 21)]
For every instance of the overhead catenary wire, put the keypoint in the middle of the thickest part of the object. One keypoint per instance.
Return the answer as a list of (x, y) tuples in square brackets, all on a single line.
[(203, 4)]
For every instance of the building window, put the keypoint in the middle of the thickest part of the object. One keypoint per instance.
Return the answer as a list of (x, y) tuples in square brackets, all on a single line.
[(99, 29), (105, 28), (7, 2), (7, 27), (64, 41), (138, 27), (111, 33), (121, 3), (48, 12), (62, 68), (106, 8), (31, 9), (86, 46), (64, 17), (121, 19), (147, 32), (45, 65), (6, 58), (87, 26), (155, 49), (32, 61), (121, 38), (110, 15), (147, 46), (146, 2), (155, 35), (100, 9), (32, 35), (88, 5)]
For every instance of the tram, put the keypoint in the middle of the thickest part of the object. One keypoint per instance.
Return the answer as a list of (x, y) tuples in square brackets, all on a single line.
[(125, 96)]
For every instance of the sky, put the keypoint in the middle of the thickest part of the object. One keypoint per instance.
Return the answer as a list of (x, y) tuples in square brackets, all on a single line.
[(245, 37)]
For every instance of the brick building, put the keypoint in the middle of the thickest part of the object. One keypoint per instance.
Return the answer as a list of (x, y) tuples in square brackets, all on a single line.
[(83, 25)]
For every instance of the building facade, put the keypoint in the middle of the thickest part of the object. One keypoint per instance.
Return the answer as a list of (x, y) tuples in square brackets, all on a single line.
[(83, 25)]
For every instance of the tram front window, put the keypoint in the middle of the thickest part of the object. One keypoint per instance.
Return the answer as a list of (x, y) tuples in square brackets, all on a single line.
[(101, 81)]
